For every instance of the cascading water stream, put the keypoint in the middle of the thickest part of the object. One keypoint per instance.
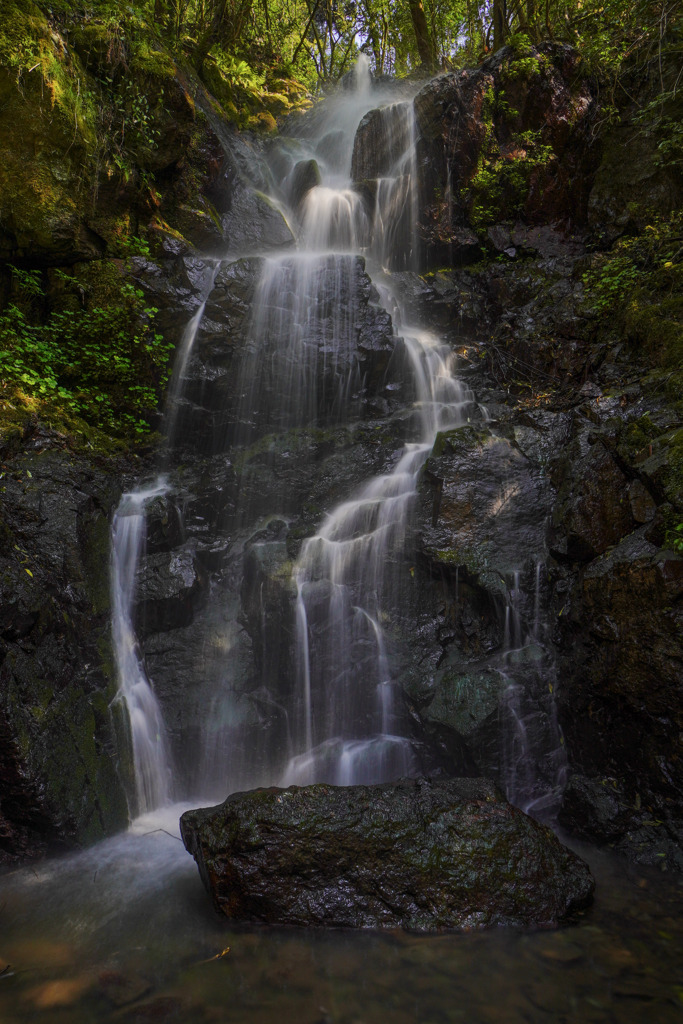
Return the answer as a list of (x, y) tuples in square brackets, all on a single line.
[(343, 576), (151, 757), (339, 712), (350, 729), (152, 762)]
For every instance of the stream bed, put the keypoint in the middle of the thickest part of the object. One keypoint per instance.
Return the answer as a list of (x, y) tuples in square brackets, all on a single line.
[(125, 932)]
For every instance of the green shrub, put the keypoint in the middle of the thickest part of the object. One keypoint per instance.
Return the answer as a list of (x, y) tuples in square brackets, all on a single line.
[(101, 361)]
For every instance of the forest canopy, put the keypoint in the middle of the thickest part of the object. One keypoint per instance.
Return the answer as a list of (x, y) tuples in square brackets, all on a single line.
[(317, 41)]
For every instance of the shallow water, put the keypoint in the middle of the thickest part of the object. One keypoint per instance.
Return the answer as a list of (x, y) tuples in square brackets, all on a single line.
[(126, 932)]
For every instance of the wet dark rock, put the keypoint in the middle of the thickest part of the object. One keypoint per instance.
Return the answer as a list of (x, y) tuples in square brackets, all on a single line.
[(169, 586), (422, 855), (201, 226), (483, 503), (499, 237), (468, 704), (60, 771), (164, 527), (643, 506), (381, 138), (268, 589), (595, 808), (173, 286), (304, 177), (620, 702), (546, 240), (253, 223), (540, 434), (463, 247), (593, 509), (601, 810)]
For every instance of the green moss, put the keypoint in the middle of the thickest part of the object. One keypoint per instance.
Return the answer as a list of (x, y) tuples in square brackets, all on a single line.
[(262, 122), (637, 290), (460, 439), (22, 26), (149, 59), (636, 437), (523, 64), (459, 556)]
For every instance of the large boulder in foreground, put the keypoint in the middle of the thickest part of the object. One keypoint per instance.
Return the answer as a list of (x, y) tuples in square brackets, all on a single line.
[(418, 854)]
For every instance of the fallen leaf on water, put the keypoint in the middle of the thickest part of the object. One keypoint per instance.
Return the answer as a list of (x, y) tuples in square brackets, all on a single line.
[(218, 956)]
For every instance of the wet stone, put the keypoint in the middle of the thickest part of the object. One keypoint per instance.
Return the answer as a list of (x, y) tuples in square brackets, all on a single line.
[(643, 507), (304, 177), (382, 136), (169, 585), (424, 855), (254, 223)]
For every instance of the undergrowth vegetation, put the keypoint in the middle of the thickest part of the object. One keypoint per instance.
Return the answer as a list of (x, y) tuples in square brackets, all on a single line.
[(636, 288), (93, 362)]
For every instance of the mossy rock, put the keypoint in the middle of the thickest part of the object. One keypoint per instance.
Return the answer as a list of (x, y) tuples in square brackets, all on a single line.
[(262, 122), (150, 60), (418, 854)]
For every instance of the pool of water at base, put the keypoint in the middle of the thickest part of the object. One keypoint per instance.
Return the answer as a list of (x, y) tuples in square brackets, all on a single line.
[(125, 932)]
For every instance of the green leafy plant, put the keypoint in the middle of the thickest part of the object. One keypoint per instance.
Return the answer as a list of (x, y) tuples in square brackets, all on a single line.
[(103, 362), (501, 183), (678, 539)]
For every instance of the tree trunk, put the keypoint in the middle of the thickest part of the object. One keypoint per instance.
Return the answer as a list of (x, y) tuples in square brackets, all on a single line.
[(499, 24), (425, 46)]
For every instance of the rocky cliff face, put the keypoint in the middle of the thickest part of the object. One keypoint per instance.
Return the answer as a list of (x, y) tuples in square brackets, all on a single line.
[(78, 155), (587, 401), (511, 140), (62, 735)]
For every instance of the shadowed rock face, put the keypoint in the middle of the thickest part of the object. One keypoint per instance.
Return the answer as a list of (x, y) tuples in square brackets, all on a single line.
[(418, 854), (526, 116), (58, 771), (236, 391)]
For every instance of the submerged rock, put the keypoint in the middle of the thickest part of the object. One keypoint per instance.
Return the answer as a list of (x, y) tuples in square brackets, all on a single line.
[(419, 854), (304, 177)]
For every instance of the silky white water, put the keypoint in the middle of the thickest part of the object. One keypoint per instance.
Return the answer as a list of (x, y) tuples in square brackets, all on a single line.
[(339, 716), (151, 756)]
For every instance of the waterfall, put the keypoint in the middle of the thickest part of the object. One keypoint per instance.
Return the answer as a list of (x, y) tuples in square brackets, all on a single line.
[(279, 370), (322, 700), (344, 575), (152, 762), (349, 727)]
